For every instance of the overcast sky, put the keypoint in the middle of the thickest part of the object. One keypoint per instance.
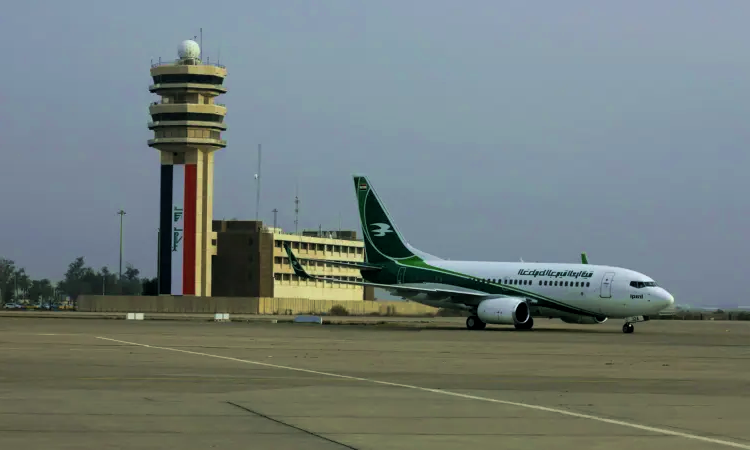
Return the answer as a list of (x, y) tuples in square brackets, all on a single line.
[(493, 130)]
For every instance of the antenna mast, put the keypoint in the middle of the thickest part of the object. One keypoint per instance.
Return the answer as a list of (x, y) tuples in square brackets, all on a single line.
[(257, 190), (201, 40), (296, 209), (275, 211)]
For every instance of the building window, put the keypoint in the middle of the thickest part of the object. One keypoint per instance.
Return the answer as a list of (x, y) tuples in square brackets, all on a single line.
[(277, 259), (213, 242), (277, 276), (277, 243)]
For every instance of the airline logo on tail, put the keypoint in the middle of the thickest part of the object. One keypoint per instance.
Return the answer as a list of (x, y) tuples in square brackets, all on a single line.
[(296, 265), (380, 229)]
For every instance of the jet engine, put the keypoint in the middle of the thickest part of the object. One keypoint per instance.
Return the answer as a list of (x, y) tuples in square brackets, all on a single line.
[(586, 320), (504, 311)]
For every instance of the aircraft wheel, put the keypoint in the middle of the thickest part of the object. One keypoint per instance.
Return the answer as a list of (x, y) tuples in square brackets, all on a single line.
[(628, 328), (525, 326), (473, 323)]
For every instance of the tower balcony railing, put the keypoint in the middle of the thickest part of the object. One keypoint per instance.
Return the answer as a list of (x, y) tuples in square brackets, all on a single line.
[(187, 141), (188, 86), (178, 63), (157, 103), (186, 123)]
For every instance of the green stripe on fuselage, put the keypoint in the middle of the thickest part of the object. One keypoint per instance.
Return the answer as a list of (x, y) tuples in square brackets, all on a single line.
[(422, 272)]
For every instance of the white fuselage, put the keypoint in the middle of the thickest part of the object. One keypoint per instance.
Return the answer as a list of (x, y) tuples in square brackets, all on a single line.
[(613, 292)]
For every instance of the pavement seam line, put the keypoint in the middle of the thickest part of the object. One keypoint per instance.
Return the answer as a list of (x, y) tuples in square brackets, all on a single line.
[(311, 433), (563, 412)]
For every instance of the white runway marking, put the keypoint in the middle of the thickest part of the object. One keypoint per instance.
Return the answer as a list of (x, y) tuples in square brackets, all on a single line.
[(563, 412)]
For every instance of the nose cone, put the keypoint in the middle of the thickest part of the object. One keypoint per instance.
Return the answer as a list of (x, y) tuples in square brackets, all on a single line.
[(667, 300)]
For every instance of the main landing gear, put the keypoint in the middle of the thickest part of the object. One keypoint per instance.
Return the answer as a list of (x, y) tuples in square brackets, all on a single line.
[(473, 323), (628, 327), (525, 326)]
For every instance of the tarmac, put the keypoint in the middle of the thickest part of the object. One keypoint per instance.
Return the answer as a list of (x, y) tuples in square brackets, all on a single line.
[(406, 384)]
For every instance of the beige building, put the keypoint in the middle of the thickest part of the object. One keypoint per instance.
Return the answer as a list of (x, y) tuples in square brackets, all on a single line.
[(250, 261)]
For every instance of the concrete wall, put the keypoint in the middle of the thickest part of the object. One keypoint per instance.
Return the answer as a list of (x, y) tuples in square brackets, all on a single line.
[(242, 305)]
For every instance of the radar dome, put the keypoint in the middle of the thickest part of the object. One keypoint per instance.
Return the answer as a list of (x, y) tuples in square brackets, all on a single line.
[(189, 49)]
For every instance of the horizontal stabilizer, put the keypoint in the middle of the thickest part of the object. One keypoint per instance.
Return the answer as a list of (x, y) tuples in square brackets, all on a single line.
[(352, 264)]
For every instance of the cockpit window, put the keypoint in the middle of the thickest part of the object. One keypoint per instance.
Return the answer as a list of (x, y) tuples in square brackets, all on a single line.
[(642, 284)]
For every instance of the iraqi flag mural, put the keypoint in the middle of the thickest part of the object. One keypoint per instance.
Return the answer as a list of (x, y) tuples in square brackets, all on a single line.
[(177, 234)]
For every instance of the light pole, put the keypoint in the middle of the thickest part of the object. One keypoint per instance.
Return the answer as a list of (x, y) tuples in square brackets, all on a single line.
[(158, 262), (119, 280)]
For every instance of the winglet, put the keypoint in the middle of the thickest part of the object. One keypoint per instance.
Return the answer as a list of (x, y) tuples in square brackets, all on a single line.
[(584, 258), (294, 262)]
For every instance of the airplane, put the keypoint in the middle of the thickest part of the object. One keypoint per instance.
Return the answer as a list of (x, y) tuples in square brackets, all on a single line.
[(503, 293)]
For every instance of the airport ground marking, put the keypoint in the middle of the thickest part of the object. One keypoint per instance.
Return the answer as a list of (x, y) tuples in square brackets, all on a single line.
[(563, 412)]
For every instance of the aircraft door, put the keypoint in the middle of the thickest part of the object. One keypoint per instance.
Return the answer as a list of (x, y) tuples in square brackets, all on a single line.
[(400, 275), (606, 289)]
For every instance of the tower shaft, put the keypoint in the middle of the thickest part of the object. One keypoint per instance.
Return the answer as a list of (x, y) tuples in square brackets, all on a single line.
[(187, 127)]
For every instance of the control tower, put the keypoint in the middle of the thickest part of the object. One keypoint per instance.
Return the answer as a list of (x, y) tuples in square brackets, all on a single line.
[(187, 125)]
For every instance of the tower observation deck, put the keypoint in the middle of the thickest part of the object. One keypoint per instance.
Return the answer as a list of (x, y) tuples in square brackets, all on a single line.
[(187, 125)]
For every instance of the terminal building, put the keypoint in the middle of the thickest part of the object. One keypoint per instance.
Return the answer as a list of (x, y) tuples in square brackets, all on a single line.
[(250, 261)]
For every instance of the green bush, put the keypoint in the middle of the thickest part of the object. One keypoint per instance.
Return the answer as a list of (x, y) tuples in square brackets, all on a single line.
[(338, 310)]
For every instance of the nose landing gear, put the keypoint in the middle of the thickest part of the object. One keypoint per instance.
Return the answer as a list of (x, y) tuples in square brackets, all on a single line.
[(628, 327)]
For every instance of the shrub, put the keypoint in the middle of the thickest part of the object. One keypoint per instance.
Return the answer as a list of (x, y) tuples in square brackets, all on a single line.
[(338, 310)]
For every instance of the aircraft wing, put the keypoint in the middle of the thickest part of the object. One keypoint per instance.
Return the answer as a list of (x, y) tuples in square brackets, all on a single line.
[(458, 296)]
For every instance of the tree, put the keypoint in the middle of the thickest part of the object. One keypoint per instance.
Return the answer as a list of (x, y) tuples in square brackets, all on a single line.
[(150, 286), (41, 291), (130, 283), (7, 271), (35, 291), (78, 279), (23, 283), (108, 282)]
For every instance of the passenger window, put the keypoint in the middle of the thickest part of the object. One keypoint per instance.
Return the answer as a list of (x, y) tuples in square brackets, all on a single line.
[(576, 284), (588, 284)]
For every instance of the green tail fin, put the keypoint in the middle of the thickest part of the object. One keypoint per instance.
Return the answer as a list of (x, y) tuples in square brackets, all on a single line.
[(383, 242), (294, 262), (584, 258)]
